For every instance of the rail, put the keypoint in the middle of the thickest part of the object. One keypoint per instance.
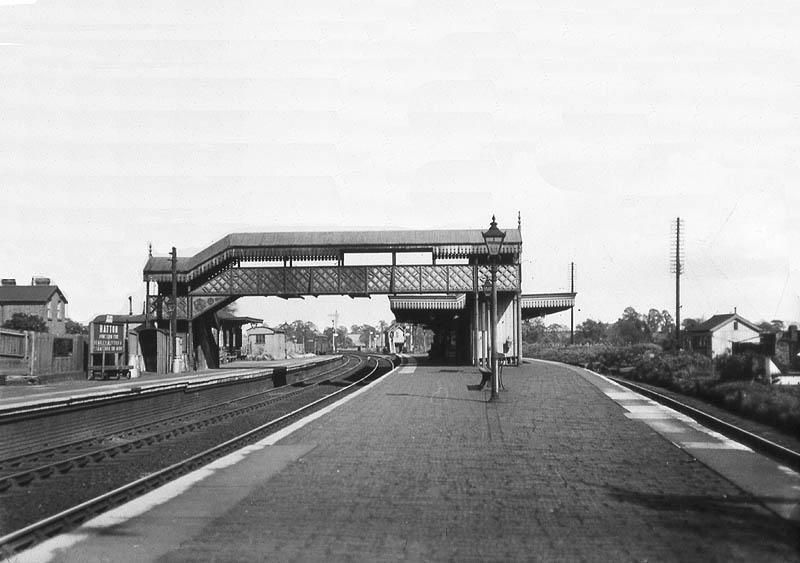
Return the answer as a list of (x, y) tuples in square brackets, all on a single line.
[(758, 443), (72, 517)]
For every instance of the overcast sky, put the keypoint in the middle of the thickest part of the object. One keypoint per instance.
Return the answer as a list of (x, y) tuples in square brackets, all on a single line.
[(174, 123)]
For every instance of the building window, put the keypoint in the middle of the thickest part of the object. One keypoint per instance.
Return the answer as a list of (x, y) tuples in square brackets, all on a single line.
[(735, 325), (50, 307), (60, 311), (259, 339)]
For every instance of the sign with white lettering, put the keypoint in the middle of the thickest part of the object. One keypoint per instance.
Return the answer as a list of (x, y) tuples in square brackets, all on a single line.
[(108, 337)]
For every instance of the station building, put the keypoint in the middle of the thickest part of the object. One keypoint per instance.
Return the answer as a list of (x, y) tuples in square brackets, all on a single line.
[(444, 290)]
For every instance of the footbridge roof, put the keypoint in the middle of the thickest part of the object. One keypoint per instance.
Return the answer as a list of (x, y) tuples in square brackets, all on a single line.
[(328, 245)]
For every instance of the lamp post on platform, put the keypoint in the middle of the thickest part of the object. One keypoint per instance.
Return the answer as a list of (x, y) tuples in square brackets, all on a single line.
[(494, 242), (487, 292)]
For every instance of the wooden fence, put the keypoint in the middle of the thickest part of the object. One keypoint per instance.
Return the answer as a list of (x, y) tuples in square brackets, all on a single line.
[(13, 344), (42, 354)]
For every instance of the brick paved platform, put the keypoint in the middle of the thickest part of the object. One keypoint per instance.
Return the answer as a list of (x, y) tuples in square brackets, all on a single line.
[(419, 468)]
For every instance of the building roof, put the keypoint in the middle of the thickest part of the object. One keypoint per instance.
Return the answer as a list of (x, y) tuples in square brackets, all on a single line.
[(10, 294), (118, 319), (261, 329), (718, 321), (229, 318), (327, 245)]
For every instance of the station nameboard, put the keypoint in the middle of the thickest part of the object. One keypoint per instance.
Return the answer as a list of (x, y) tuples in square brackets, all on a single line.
[(108, 337)]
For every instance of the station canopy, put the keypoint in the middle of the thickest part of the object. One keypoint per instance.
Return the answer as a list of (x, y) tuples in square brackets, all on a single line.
[(541, 304)]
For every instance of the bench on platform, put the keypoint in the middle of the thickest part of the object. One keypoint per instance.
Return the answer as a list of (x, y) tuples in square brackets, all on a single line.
[(486, 374)]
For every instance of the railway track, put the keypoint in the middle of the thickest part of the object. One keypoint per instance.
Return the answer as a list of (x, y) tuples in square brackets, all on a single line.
[(784, 454), (48, 460), (50, 424), (48, 492)]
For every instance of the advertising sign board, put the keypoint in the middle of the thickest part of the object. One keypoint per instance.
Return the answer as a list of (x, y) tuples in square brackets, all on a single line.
[(108, 337)]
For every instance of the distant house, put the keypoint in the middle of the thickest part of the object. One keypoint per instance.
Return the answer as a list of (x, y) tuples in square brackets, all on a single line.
[(264, 343), (717, 335), (40, 298), (355, 339)]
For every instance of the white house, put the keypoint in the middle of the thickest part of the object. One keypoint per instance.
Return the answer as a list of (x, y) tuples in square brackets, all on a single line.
[(717, 335)]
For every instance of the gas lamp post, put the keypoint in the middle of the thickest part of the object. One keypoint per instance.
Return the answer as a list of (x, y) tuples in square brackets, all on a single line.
[(494, 242)]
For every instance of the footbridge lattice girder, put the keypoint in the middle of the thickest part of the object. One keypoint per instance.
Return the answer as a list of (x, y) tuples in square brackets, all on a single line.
[(334, 280)]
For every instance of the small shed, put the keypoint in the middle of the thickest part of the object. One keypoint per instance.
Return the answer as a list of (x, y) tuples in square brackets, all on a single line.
[(265, 343), (153, 345)]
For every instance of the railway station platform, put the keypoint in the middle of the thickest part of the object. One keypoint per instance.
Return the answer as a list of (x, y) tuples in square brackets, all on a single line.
[(16, 395), (566, 466)]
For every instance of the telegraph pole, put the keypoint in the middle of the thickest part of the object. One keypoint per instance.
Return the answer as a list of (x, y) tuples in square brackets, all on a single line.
[(572, 309), (173, 315), (676, 267)]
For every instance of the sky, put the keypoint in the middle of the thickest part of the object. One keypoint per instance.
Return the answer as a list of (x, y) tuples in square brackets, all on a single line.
[(129, 123)]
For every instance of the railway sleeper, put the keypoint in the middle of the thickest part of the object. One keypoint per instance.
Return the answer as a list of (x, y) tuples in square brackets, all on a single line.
[(81, 461), (45, 472), (22, 479), (64, 466)]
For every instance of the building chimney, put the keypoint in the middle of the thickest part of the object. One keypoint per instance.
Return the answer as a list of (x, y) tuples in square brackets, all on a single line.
[(40, 281), (8, 281)]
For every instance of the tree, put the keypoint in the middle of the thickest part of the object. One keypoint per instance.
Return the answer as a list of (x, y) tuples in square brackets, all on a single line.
[(631, 328), (591, 331), (654, 320), (691, 324), (556, 334), (669, 323), (363, 331), (765, 326), (341, 339), (74, 327), (776, 326), (300, 331), (533, 330), (24, 321)]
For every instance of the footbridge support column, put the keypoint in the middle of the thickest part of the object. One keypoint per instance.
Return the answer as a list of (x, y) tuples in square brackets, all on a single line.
[(206, 349)]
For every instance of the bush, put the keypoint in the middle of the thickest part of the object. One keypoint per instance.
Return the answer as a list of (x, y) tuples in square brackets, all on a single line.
[(24, 321), (677, 370), (621, 356), (776, 405), (573, 355), (736, 367), (601, 357)]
